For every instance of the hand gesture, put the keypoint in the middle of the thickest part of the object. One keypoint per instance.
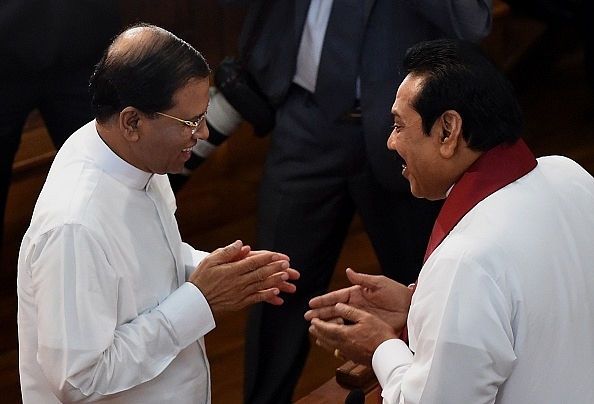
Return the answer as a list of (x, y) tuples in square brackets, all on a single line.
[(356, 341), (233, 277), (375, 294)]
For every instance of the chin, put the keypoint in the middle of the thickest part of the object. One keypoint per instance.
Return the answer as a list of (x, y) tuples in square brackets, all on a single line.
[(417, 193)]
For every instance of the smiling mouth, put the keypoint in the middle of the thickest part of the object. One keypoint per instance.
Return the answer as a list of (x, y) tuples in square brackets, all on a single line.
[(187, 149), (400, 160)]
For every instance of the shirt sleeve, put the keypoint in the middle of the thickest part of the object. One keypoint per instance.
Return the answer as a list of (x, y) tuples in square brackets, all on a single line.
[(461, 336), (87, 348), (390, 361)]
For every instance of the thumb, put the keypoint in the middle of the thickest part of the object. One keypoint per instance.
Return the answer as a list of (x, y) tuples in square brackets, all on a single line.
[(363, 280), (347, 312), (227, 253)]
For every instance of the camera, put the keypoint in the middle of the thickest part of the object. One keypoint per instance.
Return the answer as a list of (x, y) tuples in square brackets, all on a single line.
[(242, 93), (234, 97)]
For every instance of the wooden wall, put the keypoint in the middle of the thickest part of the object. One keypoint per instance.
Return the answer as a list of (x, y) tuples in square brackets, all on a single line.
[(209, 27)]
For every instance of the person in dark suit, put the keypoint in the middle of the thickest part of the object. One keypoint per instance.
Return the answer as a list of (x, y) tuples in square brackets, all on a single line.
[(47, 53), (328, 157)]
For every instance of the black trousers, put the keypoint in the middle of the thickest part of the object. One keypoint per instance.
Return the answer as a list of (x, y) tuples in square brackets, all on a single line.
[(316, 177), (63, 100)]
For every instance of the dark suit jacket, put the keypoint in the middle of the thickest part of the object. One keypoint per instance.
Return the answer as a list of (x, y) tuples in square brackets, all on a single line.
[(53, 36), (392, 27)]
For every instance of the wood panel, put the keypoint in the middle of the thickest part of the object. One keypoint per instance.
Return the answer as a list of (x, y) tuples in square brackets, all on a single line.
[(209, 27)]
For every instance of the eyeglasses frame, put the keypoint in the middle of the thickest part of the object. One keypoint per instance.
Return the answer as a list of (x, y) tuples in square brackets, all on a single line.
[(192, 124)]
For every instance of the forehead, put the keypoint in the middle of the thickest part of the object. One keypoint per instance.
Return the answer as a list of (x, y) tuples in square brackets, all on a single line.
[(192, 92), (406, 94)]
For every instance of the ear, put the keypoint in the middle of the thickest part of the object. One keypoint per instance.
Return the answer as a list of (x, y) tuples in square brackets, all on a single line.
[(450, 133), (129, 123)]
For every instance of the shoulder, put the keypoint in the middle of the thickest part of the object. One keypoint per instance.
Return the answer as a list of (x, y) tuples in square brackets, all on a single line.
[(559, 165)]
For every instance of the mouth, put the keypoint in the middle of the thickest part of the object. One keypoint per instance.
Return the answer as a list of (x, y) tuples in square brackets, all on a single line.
[(403, 165), (186, 153), (400, 160)]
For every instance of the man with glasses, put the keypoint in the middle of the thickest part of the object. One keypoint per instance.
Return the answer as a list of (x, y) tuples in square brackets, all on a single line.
[(192, 124), (112, 304)]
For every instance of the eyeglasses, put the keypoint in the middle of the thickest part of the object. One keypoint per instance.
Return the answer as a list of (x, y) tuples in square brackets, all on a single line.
[(192, 124)]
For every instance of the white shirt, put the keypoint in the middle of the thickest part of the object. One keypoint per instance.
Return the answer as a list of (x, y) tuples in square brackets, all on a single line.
[(312, 40), (104, 312), (504, 308)]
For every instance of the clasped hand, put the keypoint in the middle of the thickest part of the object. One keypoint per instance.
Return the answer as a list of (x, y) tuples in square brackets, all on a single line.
[(357, 319), (233, 277)]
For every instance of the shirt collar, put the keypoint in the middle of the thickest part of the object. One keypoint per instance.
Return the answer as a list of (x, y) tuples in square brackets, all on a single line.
[(492, 171), (114, 165)]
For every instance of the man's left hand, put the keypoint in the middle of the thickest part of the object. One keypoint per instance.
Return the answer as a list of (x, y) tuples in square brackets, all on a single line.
[(356, 340)]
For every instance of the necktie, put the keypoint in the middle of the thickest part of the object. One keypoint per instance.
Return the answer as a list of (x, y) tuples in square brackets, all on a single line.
[(495, 169), (339, 62)]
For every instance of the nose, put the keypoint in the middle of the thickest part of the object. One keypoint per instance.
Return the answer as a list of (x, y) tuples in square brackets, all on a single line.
[(202, 131), (391, 143)]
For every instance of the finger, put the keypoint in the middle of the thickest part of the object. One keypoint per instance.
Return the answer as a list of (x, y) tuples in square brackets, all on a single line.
[(293, 274), (328, 345), (325, 313), (281, 255), (327, 334), (331, 298), (349, 313), (270, 276), (262, 260), (225, 254), (364, 280), (244, 252), (275, 300), (287, 287), (267, 295)]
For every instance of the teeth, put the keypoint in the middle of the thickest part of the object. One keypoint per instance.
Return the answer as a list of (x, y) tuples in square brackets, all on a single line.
[(187, 149)]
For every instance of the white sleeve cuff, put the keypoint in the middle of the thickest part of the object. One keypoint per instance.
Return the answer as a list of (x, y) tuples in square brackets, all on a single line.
[(189, 314), (390, 355)]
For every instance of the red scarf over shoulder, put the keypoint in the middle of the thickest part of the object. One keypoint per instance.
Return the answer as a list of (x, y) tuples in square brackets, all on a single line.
[(492, 171)]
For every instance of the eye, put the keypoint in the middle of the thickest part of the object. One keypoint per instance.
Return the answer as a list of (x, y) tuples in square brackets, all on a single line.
[(396, 127)]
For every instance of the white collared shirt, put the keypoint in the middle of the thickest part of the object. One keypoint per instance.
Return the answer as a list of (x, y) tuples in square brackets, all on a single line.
[(504, 310), (312, 40), (104, 311)]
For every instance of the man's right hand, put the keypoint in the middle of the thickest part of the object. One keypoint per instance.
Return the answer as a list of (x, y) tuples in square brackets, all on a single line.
[(376, 294), (233, 277)]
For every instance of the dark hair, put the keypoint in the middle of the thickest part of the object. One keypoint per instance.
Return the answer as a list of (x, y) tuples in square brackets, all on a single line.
[(459, 76), (145, 76)]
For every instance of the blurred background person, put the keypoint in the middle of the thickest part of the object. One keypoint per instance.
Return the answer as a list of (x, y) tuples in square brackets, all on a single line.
[(47, 52), (329, 70)]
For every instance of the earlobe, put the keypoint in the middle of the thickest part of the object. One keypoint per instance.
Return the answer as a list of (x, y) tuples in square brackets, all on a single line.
[(129, 123)]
